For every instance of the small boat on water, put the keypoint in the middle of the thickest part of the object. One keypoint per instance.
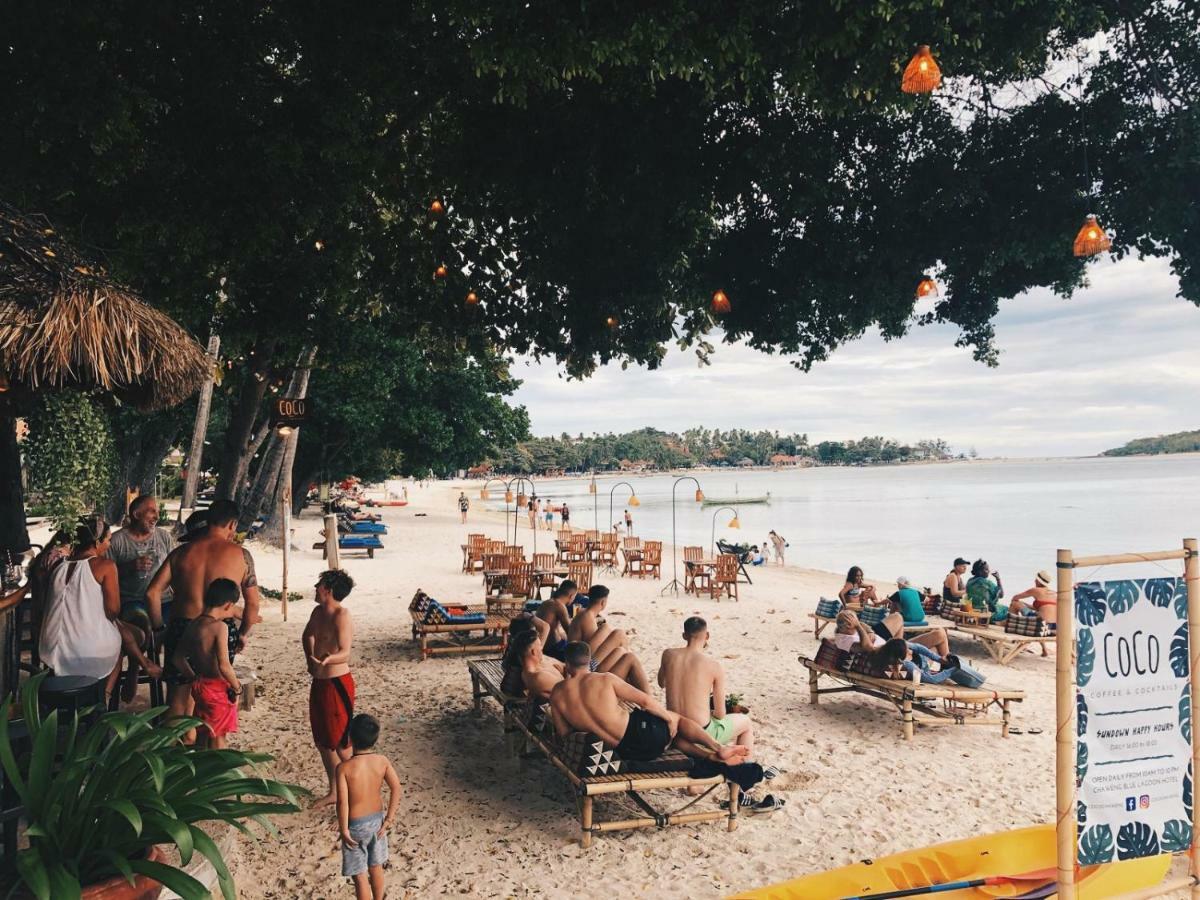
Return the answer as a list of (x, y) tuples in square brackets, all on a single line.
[(1022, 851), (736, 500)]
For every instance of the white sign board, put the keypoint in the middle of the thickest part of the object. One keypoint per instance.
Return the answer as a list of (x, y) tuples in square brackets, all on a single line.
[(1133, 709)]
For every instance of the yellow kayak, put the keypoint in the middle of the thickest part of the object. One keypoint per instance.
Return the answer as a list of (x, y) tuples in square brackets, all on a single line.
[(1005, 853)]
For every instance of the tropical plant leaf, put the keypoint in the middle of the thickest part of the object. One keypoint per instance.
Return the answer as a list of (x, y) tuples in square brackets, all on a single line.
[(1090, 606), (180, 882), (1179, 651), (1181, 600), (1176, 836), (212, 853), (1135, 840), (1081, 760), (63, 885), (41, 763), (1160, 591), (1187, 791), (33, 873), (1096, 846), (1081, 813), (1081, 715), (1085, 656), (130, 812), (1122, 595), (1185, 713)]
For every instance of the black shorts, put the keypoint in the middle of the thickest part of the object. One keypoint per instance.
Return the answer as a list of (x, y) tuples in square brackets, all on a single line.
[(176, 626), (882, 630), (646, 737)]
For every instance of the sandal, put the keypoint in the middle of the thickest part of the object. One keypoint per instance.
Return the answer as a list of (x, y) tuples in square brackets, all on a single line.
[(745, 801), (768, 804), (1032, 731), (1015, 729), (771, 772)]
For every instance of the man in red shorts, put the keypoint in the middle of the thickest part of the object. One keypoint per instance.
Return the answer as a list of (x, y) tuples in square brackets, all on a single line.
[(326, 642)]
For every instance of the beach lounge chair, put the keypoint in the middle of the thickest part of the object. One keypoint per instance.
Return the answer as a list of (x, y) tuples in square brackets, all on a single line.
[(595, 771), (440, 629), (1005, 643), (742, 552), (364, 527), (960, 705), (368, 542)]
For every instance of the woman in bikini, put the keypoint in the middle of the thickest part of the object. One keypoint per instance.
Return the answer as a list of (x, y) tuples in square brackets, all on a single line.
[(854, 592)]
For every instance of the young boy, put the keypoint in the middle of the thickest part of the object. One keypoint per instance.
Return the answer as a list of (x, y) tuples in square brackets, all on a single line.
[(361, 820), (203, 658), (326, 643)]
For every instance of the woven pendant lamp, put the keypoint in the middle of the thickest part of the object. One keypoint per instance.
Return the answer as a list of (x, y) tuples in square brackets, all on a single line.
[(1091, 238), (926, 287), (921, 75), (720, 303)]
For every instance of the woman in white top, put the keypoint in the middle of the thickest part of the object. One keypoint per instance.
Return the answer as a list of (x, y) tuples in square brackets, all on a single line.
[(81, 633)]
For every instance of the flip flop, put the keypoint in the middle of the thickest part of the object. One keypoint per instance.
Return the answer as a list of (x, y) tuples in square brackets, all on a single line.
[(1013, 729), (745, 801), (768, 804), (1032, 731), (771, 772)]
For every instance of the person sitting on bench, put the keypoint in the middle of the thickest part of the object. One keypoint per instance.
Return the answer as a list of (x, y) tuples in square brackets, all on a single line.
[(606, 643)]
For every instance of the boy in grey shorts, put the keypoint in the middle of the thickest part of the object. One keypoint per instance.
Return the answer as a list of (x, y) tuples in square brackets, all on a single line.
[(361, 819)]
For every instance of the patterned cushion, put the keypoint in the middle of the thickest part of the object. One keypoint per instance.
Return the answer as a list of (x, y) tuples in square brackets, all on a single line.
[(931, 603), (830, 657), (872, 615), (828, 609), (1031, 626), (420, 601), (436, 614), (586, 756), (866, 664)]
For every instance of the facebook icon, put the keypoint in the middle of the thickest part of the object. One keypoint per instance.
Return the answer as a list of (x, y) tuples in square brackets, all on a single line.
[(1130, 804)]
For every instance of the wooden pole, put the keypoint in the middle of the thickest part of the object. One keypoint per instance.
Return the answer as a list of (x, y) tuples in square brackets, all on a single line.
[(1191, 575), (332, 560), (1065, 739), (286, 518), (199, 429), (1114, 559)]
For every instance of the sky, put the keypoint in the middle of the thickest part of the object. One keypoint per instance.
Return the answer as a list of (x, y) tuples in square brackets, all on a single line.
[(1118, 360)]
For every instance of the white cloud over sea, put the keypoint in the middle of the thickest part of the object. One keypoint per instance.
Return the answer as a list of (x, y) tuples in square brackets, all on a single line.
[(1120, 359)]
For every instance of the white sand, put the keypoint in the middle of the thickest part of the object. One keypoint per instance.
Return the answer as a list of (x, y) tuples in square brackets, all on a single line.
[(471, 823)]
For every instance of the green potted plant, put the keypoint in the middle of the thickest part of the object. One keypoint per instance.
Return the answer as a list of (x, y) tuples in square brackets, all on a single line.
[(96, 806)]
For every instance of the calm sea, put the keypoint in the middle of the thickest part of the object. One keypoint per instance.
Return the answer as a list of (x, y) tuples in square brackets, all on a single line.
[(913, 520)]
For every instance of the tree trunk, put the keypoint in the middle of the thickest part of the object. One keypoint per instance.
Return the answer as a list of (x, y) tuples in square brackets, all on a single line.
[(300, 489), (14, 537), (140, 454), (264, 482), (235, 455), (273, 526), (195, 457)]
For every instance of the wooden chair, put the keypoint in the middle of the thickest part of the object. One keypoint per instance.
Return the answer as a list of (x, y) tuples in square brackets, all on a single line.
[(563, 544), (692, 555), (607, 554), (578, 551), (631, 549), (652, 559), (581, 574), (495, 571), (544, 563), (473, 555), (493, 546), (725, 578)]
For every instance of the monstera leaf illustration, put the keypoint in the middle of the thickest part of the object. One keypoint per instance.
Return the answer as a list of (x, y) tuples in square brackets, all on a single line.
[(1090, 607), (1081, 760), (1081, 714), (1121, 595), (1176, 836), (1085, 656), (1135, 840), (1081, 813), (1179, 651), (1185, 713), (1160, 591), (1187, 791), (1096, 846), (1181, 604)]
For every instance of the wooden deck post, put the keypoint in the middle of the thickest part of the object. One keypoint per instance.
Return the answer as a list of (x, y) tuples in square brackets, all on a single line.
[(814, 695), (585, 820), (733, 806), (1005, 716), (331, 542), (1191, 575), (907, 710), (1064, 764)]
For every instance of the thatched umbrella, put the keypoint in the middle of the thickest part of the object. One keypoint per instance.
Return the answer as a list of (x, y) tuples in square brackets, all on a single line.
[(65, 323)]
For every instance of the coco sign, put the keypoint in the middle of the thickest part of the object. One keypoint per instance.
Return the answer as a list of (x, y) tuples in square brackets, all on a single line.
[(290, 412)]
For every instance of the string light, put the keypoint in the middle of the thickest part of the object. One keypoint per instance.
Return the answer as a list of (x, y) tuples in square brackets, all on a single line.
[(319, 245), (720, 303), (1091, 238), (921, 75), (440, 272), (926, 287), (472, 299), (611, 321), (437, 208)]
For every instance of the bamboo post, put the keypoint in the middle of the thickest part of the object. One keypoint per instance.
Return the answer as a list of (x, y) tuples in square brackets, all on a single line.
[(286, 519), (1191, 575), (1065, 739), (333, 560)]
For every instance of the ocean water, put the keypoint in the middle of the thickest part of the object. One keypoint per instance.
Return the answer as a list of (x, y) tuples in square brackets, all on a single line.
[(914, 520)]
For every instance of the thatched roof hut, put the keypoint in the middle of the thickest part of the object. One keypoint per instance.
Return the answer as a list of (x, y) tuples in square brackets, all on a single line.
[(64, 323)]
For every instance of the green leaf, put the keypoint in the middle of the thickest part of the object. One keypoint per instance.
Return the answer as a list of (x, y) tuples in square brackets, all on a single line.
[(130, 812), (157, 770), (1085, 656), (180, 882), (207, 846), (63, 885), (1096, 845), (33, 873), (179, 832), (41, 761)]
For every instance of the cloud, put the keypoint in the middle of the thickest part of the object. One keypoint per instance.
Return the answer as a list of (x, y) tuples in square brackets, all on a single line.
[(1116, 361)]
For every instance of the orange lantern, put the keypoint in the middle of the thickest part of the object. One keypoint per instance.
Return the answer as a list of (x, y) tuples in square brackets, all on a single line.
[(522, 501), (720, 303), (634, 501), (699, 495), (437, 208), (1091, 238), (926, 287), (508, 496), (472, 299), (440, 272), (611, 321), (921, 75), (592, 487)]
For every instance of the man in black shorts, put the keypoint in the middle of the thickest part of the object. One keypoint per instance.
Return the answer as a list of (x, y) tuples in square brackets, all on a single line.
[(591, 702)]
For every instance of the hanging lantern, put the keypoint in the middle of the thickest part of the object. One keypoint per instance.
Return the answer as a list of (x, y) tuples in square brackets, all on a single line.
[(634, 501), (921, 75), (436, 208), (699, 495), (318, 246), (522, 501), (592, 486), (483, 493), (735, 522), (720, 303), (440, 272), (472, 299), (611, 321), (508, 496), (1091, 238), (927, 287)]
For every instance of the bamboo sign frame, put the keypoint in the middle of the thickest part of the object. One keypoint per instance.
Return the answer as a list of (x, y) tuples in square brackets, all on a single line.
[(1065, 705)]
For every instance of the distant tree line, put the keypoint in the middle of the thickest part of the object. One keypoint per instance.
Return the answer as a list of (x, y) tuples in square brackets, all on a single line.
[(649, 448), (1179, 442)]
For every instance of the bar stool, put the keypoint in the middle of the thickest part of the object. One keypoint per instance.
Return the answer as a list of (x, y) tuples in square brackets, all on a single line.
[(72, 693)]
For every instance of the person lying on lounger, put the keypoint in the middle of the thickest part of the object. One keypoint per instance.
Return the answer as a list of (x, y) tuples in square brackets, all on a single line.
[(604, 641), (591, 702), (905, 661), (850, 631)]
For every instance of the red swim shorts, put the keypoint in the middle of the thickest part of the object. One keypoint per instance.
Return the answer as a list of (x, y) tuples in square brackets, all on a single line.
[(330, 709)]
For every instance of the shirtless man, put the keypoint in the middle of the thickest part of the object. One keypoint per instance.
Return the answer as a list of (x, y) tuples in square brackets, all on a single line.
[(609, 646), (556, 613), (327, 641), (587, 701), (540, 673), (188, 571), (692, 678)]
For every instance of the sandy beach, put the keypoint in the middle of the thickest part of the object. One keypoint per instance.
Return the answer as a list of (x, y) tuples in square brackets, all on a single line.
[(472, 823)]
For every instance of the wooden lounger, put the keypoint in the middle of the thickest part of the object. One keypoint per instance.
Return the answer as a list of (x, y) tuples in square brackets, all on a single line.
[(1002, 646), (820, 623), (490, 635), (486, 677), (903, 694)]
